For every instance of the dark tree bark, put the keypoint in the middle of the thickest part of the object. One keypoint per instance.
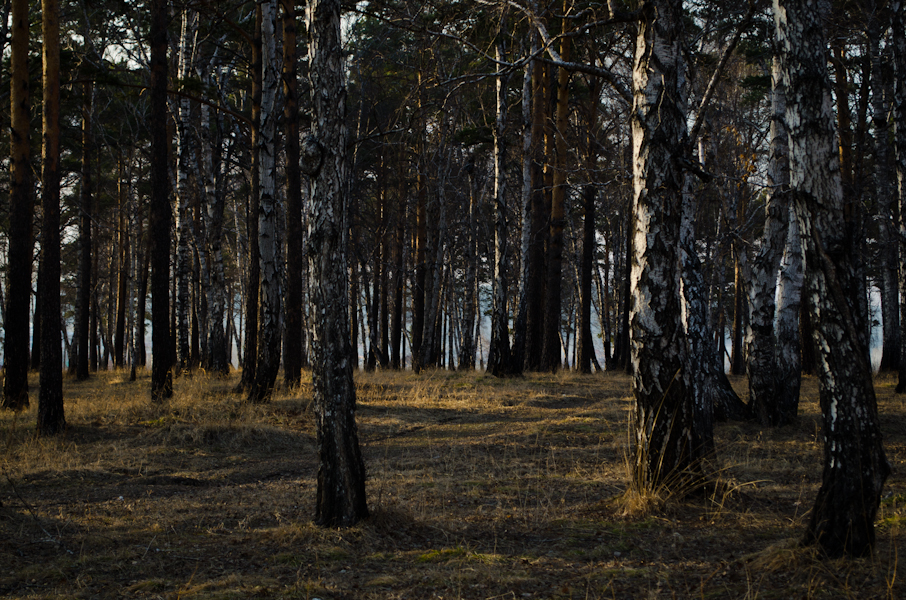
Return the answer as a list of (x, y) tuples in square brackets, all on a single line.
[(122, 271), (670, 444), (159, 227), (250, 342), (586, 351), (18, 293), (855, 468), (36, 321), (341, 470), (51, 417), (295, 260), (899, 118), (550, 353), (83, 303)]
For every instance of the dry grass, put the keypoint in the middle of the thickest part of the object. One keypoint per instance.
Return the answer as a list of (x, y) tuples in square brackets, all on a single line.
[(479, 488)]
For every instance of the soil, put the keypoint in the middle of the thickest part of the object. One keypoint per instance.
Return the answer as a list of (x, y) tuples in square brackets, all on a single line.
[(478, 488)]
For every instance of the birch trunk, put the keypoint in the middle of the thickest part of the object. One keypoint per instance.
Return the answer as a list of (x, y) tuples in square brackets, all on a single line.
[(855, 468), (669, 444), (885, 191), (499, 348), (185, 161), (270, 292), (341, 470), (467, 343), (768, 406)]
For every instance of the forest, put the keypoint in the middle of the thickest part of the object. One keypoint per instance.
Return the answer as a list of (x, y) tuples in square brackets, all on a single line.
[(447, 283)]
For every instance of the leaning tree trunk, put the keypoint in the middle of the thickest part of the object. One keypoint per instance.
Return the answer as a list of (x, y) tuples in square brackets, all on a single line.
[(768, 405), (341, 470), (669, 445), (855, 468), (159, 227), (499, 348), (270, 293), (18, 293), (51, 419)]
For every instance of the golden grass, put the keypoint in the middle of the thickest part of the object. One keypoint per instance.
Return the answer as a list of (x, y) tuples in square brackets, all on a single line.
[(478, 487)]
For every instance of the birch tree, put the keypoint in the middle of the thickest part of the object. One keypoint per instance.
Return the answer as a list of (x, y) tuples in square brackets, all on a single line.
[(899, 119), (499, 348), (341, 469), (854, 466), (670, 444), (270, 296)]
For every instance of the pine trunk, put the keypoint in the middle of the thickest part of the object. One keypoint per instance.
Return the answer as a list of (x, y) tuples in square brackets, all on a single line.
[(295, 260), (899, 118), (18, 293), (159, 228), (51, 418)]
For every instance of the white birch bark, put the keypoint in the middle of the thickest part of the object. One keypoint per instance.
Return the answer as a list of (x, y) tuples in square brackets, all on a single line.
[(668, 446), (185, 160), (762, 367), (341, 470), (854, 468), (499, 349)]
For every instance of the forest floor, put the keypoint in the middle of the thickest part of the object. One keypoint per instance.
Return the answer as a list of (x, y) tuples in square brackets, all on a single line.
[(479, 488)]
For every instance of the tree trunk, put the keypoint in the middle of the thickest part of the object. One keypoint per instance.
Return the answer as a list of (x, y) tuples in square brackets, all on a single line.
[(884, 190), (586, 351), (250, 343), (669, 445), (499, 348), (159, 227), (467, 342), (185, 163), (855, 468), (341, 470), (550, 353), (51, 418), (768, 406), (270, 293), (295, 260), (899, 118), (83, 298), (18, 296), (122, 273)]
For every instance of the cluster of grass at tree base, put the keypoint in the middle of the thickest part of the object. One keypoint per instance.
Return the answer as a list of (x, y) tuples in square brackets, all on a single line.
[(479, 488)]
